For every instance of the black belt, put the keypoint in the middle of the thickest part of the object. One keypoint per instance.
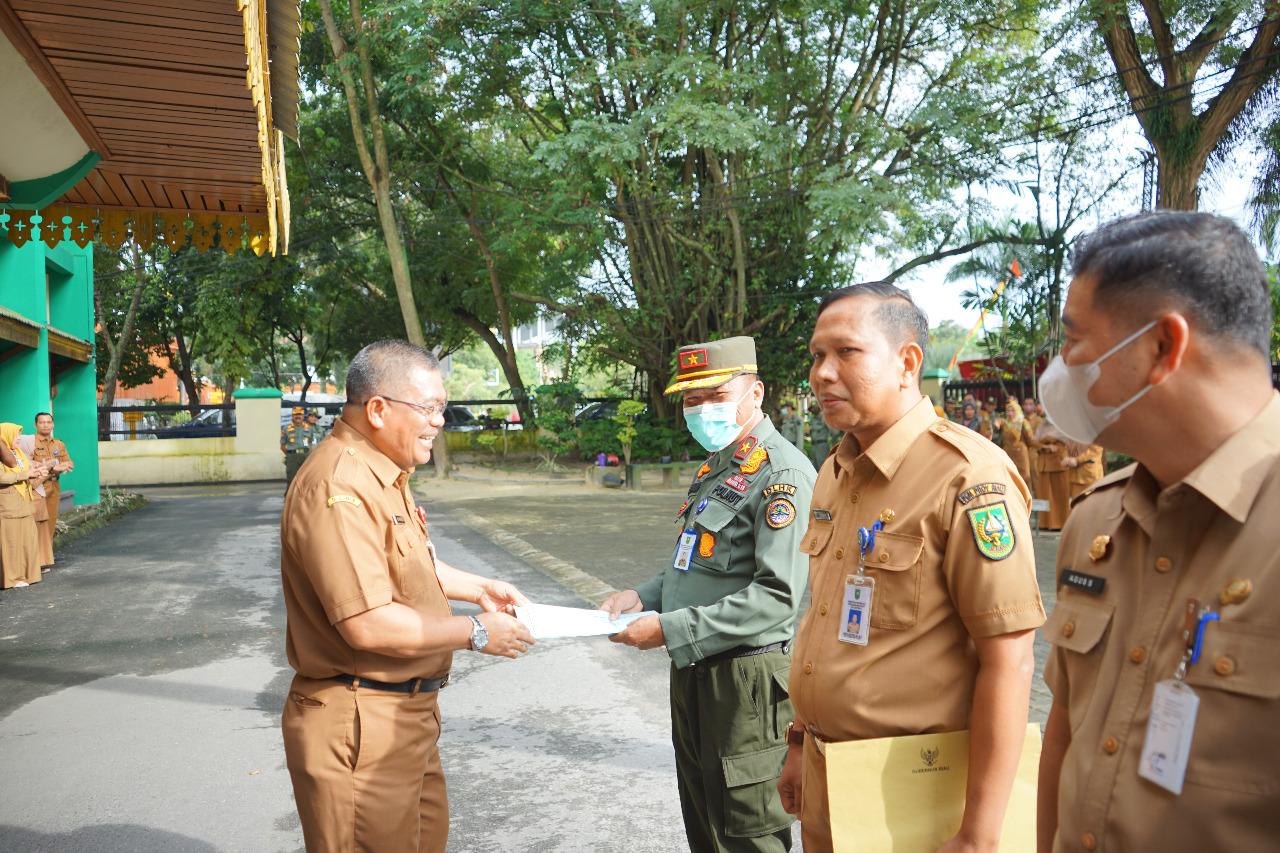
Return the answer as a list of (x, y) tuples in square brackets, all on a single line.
[(413, 686), (299, 450), (748, 651)]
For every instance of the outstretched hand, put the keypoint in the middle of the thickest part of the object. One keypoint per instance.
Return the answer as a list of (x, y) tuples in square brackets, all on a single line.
[(500, 596)]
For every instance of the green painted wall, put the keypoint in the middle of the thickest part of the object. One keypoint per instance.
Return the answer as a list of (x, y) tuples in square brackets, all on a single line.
[(25, 378)]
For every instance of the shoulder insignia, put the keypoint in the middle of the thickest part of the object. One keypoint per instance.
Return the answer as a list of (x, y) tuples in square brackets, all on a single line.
[(991, 530), (706, 466), (779, 489), (974, 492), (757, 458), (748, 444), (682, 508), (706, 544), (344, 499), (780, 513)]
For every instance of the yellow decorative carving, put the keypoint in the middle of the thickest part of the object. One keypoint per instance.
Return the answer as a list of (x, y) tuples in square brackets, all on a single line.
[(107, 227)]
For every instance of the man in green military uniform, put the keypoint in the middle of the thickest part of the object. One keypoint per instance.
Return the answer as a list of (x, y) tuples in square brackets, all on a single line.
[(728, 603), (791, 425), (821, 437), (296, 441)]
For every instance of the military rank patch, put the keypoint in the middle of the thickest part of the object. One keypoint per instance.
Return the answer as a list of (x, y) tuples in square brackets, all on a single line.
[(779, 489), (706, 466), (991, 530), (757, 458), (973, 492), (744, 449), (706, 544), (343, 499), (738, 482), (780, 513)]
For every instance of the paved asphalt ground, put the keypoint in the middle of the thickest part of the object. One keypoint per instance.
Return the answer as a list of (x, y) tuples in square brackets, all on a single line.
[(144, 677)]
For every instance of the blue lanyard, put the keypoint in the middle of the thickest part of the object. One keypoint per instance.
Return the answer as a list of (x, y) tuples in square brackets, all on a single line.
[(867, 541)]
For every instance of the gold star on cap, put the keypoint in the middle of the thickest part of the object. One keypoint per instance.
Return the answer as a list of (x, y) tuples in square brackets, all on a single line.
[(886, 515), (1236, 591), (1098, 550)]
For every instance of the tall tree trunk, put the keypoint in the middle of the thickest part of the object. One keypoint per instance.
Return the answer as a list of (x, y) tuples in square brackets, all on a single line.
[(116, 348)]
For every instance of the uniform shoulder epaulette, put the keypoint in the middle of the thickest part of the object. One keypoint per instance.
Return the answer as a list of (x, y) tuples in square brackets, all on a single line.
[(1112, 479), (970, 445)]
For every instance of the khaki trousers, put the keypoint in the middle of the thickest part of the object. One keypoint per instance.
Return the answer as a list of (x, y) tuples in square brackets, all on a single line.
[(46, 529), (365, 767), (815, 812)]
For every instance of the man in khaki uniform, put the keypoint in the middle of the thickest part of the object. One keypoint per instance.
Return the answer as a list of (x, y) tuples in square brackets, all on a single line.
[(1169, 570), (370, 633), (1084, 468), (949, 633), (49, 450)]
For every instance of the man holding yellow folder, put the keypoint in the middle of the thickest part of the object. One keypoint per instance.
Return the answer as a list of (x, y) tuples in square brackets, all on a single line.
[(924, 595)]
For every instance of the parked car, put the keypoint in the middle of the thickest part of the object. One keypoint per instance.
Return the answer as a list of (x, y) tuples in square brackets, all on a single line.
[(460, 419), (210, 423), (601, 411)]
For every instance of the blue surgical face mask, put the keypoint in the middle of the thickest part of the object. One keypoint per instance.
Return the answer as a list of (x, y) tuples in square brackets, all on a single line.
[(715, 425)]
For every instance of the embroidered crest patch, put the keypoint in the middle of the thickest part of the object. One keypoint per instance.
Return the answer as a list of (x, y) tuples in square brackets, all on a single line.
[(682, 508), (780, 513), (991, 530), (693, 358), (343, 499), (706, 544), (779, 489), (704, 469), (973, 492), (757, 458)]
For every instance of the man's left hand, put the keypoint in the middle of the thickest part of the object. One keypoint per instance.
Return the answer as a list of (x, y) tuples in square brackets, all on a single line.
[(644, 633), (500, 595)]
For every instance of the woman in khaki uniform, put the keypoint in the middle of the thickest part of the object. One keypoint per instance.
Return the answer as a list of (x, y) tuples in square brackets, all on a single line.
[(19, 549), (1048, 449), (1012, 427), (1086, 464)]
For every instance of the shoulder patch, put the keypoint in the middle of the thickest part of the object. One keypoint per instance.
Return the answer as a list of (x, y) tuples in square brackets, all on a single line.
[(779, 489), (706, 466), (991, 530), (780, 513), (757, 458), (747, 445), (973, 492), (344, 499)]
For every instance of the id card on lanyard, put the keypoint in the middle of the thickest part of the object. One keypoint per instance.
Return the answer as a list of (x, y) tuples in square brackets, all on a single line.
[(859, 593)]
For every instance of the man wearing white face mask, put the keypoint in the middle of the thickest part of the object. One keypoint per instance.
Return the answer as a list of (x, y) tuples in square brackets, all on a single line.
[(728, 602), (1164, 675)]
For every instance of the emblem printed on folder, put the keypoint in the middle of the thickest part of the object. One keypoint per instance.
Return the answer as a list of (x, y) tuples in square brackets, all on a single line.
[(744, 449), (991, 530)]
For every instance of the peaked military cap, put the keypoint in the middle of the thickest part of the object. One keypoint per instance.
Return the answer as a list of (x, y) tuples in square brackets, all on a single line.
[(715, 363)]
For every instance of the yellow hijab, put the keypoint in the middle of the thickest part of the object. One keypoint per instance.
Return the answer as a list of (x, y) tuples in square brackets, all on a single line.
[(9, 435)]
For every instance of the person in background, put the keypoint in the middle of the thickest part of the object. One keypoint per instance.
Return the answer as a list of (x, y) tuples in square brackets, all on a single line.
[(1032, 412), (1086, 464), (1048, 449), (315, 432), (990, 416), (949, 407), (295, 443), (791, 425), (1012, 427), (42, 448), (19, 541), (821, 437), (970, 418)]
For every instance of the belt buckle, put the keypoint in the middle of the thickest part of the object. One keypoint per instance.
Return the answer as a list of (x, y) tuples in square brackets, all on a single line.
[(445, 683)]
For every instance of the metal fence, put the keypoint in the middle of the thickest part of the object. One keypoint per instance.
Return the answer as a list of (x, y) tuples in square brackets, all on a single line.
[(165, 420)]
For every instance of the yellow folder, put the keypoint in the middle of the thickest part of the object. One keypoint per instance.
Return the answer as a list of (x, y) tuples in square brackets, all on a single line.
[(906, 794)]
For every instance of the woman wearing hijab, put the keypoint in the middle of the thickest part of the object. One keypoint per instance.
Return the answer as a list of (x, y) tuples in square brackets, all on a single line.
[(969, 417), (19, 546), (1012, 426), (1048, 449)]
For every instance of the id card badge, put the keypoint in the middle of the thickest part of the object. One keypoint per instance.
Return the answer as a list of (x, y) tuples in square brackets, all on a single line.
[(685, 550), (1169, 730), (855, 618)]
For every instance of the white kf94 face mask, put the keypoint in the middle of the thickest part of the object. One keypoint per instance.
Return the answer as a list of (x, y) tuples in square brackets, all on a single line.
[(1064, 393)]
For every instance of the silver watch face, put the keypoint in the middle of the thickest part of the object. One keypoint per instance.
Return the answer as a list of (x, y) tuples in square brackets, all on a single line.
[(479, 635)]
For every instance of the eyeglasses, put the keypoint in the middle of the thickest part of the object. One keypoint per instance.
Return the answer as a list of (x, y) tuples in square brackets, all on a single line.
[(429, 411)]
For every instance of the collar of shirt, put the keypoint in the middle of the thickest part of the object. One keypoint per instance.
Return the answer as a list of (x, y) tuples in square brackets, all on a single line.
[(760, 431), (1230, 477), (888, 451), (383, 468)]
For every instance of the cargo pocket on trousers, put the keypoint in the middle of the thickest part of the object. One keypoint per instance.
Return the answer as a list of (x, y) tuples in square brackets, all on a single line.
[(751, 805)]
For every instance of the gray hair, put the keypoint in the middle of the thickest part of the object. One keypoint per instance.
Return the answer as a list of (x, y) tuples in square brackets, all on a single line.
[(380, 368)]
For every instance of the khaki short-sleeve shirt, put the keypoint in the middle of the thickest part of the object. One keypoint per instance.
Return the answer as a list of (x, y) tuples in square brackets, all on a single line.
[(351, 540), (1117, 632), (953, 562)]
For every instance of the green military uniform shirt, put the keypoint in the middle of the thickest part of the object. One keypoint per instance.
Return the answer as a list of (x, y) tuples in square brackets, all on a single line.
[(749, 508), (822, 438), (301, 436), (792, 429)]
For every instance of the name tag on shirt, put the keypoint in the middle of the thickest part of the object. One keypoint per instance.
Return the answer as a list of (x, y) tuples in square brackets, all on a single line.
[(395, 519), (1092, 584), (1169, 729), (687, 540), (855, 618), (821, 515)]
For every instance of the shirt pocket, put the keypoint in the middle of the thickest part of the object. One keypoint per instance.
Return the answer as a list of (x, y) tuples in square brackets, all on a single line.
[(816, 537), (414, 566), (1078, 625), (713, 548), (895, 564)]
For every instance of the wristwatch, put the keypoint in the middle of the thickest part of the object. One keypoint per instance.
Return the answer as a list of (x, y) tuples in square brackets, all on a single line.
[(479, 636), (795, 734)]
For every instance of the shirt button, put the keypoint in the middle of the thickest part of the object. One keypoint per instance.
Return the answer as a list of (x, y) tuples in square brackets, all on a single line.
[(1163, 564), (1089, 842), (1110, 745), (839, 553), (855, 497), (1137, 654), (822, 611), (1068, 629), (884, 556), (808, 668), (351, 452), (1224, 665)]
